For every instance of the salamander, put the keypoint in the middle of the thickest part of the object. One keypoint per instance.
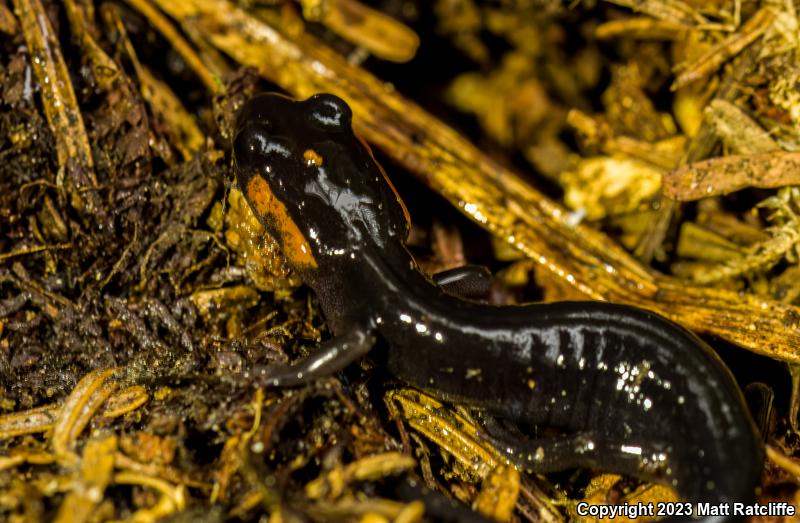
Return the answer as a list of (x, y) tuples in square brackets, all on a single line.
[(620, 389)]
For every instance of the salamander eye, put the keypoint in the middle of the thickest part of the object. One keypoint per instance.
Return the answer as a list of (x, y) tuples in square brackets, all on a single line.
[(329, 112), (255, 149)]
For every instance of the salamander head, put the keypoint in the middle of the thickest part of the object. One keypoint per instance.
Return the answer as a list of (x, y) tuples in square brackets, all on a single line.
[(311, 181)]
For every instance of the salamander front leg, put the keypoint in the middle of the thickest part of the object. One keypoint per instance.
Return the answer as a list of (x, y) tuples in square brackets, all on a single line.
[(467, 281), (332, 356)]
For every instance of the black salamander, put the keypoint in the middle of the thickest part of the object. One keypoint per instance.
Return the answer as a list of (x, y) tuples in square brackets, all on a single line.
[(629, 391)]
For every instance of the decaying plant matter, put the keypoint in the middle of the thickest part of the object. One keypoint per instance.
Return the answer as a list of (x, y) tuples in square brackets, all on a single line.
[(654, 149)]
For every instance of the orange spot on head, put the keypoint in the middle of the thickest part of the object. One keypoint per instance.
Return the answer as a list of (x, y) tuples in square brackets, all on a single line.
[(312, 157), (293, 242)]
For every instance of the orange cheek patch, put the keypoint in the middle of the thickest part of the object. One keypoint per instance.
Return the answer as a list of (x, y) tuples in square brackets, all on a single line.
[(293, 242)]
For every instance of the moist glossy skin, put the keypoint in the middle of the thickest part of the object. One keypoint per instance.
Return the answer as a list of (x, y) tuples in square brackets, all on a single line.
[(629, 391)]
